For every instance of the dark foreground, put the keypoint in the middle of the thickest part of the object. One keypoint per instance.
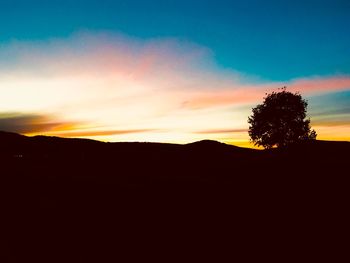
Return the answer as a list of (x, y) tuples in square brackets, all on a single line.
[(69, 200)]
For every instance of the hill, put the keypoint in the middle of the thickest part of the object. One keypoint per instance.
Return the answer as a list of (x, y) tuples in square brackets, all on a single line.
[(69, 199), (156, 162)]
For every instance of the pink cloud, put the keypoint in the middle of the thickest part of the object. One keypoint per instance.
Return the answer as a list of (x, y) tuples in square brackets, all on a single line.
[(316, 85), (244, 94), (102, 53)]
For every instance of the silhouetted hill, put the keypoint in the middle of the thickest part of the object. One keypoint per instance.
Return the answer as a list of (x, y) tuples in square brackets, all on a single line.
[(68, 200), (204, 159)]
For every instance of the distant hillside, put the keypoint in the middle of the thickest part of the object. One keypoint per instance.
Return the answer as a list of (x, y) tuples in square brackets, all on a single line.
[(67, 148), (66, 200), (51, 148), (204, 161)]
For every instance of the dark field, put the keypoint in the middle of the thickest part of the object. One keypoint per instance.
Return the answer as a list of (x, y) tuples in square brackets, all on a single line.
[(73, 200)]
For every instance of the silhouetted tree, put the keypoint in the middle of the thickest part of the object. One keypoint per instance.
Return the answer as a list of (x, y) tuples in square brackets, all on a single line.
[(280, 120)]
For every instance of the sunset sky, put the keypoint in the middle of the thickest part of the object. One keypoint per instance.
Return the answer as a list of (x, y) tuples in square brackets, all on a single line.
[(169, 71)]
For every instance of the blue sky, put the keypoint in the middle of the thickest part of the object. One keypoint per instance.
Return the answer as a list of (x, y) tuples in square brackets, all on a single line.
[(169, 71), (274, 40)]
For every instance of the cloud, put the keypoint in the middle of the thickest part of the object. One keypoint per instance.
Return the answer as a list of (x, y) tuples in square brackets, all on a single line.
[(26, 123), (320, 84), (93, 133), (104, 68), (33, 124), (103, 54), (225, 131), (248, 94)]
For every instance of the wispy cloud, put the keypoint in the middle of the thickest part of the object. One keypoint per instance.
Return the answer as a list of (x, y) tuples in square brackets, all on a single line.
[(225, 131), (93, 133), (28, 123), (244, 93), (320, 84)]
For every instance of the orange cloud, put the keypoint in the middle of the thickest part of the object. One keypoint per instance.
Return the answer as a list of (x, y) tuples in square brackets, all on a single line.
[(29, 123), (225, 131), (93, 133)]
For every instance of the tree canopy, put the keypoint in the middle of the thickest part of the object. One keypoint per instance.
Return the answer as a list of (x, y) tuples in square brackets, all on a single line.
[(280, 120)]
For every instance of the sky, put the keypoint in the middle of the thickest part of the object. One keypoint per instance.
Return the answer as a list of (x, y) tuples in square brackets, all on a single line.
[(169, 71)]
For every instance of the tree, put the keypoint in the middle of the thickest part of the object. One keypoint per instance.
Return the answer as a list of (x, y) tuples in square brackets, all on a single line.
[(280, 120)]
